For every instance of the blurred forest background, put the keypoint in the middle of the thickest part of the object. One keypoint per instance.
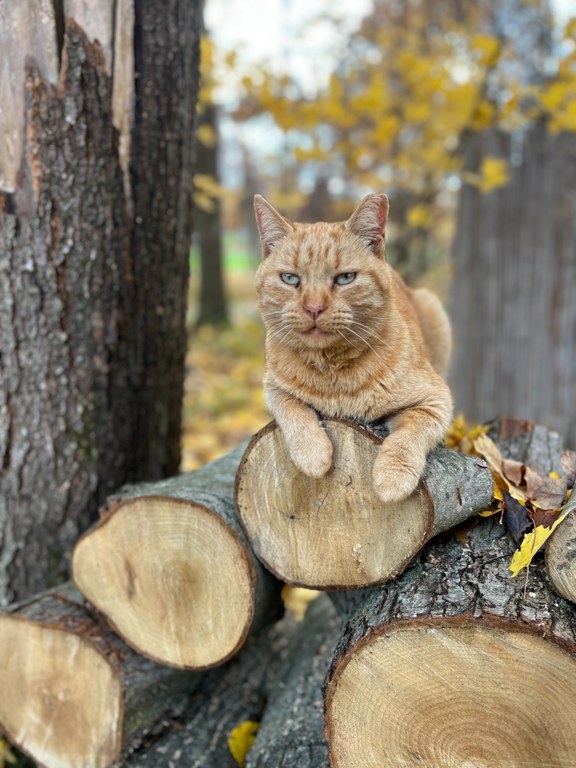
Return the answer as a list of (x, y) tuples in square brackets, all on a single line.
[(464, 113)]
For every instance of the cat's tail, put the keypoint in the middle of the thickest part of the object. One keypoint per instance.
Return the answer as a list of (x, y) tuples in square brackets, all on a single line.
[(436, 329)]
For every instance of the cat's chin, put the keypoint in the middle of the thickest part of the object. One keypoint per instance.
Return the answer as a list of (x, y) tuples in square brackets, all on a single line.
[(316, 338)]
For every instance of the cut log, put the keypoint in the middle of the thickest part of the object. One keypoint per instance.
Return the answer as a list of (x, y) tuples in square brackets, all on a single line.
[(72, 693), (291, 733), (228, 697), (171, 569), (560, 554), (450, 666), (334, 532)]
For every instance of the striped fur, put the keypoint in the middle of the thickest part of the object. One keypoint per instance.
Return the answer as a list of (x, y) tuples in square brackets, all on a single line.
[(364, 347)]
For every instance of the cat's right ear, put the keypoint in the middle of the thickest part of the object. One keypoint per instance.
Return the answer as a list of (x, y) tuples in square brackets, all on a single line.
[(273, 227)]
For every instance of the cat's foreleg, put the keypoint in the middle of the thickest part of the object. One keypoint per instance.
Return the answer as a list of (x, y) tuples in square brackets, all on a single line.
[(401, 459), (308, 444)]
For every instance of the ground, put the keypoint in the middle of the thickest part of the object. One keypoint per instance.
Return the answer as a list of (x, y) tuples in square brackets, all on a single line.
[(223, 401)]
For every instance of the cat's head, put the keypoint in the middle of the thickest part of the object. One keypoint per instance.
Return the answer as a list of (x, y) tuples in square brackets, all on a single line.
[(323, 285)]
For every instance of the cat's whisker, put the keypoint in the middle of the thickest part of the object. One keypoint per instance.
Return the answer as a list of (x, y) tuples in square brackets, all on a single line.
[(362, 339), (281, 328), (348, 341), (366, 328), (273, 314), (277, 331)]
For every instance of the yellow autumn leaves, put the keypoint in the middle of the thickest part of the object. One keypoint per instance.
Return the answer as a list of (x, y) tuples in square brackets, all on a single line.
[(223, 399), (535, 500), (535, 504), (241, 739)]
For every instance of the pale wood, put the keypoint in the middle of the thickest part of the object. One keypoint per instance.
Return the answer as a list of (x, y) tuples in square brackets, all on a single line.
[(172, 571), (560, 554), (73, 694), (334, 532), (429, 668), (27, 30), (449, 665), (96, 18)]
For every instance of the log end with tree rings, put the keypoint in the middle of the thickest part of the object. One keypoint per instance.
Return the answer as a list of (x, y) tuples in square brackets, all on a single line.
[(454, 693), (44, 706), (334, 532), (173, 579)]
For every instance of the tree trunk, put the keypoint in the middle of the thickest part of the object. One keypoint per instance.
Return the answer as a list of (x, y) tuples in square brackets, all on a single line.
[(291, 733), (94, 235), (72, 693), (429, 667), (208, 224), (334, 533), (514, 268), (172, 570)]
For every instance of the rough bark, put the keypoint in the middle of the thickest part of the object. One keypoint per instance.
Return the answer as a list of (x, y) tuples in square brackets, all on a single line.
[(430, 667), (517, 242), (171, 569), (73, 694), (228, 697), (291, 733), (334, 533), (94, 238)]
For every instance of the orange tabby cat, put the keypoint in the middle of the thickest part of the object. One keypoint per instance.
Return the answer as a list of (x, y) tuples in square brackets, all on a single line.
[(346, 337)]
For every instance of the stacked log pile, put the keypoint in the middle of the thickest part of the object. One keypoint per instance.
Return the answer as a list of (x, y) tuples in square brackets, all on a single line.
[(168, 648)]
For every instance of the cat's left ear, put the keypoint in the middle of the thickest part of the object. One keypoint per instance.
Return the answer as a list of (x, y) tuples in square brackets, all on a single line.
[(273, 227), (369, 221)]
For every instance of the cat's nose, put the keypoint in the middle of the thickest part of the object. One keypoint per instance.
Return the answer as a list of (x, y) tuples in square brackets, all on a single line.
[(314, 310)]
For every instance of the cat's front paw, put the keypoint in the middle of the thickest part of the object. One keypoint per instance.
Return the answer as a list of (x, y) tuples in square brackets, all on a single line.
[(312, 454), (396, 473)]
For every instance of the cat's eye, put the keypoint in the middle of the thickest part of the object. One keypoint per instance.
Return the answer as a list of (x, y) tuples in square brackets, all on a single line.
[(290, 279), (345, 278)]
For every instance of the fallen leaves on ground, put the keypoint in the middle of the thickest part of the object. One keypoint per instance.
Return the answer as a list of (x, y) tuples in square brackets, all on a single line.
[(462, 434), (241, 740), (223, 399)]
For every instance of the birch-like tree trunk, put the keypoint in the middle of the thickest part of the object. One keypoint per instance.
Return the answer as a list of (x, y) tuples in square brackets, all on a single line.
[(96, 161)]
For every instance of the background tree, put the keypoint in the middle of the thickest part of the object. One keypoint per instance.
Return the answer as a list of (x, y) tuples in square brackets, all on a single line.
[(96, 162), (445, 103), (208, 202)]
